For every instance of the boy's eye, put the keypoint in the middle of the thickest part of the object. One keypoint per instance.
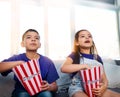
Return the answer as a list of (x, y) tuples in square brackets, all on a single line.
[(28, 37), (37, 38)]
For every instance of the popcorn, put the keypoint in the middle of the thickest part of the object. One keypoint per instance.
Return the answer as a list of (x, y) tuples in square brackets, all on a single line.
[(91, 79), (29, 75)]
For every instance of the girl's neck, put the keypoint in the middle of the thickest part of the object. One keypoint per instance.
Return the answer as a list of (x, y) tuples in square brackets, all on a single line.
[(32, 55), (85, 51)]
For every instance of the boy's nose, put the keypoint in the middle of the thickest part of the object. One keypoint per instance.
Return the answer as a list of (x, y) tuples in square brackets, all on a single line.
[(33, 39)]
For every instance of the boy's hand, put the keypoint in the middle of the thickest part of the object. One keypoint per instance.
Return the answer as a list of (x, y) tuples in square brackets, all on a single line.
[(45, 85), (18, 63)]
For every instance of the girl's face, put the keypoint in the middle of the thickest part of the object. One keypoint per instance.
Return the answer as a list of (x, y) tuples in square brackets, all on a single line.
[(85, 40), (31, 41)]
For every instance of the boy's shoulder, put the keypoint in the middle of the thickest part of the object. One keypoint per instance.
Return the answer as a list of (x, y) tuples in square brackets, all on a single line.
[(16, 57), (45, 59)]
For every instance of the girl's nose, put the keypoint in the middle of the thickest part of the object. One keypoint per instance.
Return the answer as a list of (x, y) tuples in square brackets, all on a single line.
[(87, 37)]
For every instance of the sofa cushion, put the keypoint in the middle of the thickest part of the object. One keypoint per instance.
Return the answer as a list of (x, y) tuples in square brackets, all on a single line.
[(112, 72), (6, 85), (64, 80), (117, 61)]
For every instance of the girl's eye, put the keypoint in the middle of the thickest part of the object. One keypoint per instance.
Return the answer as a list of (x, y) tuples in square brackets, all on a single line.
[(82, 36)]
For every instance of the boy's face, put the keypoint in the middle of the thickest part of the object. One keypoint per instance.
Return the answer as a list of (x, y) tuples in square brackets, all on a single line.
[(31, 41)]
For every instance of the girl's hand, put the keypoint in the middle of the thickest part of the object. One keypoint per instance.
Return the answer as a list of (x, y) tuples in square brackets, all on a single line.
[(99, 91), (87, 66), (45, 86)]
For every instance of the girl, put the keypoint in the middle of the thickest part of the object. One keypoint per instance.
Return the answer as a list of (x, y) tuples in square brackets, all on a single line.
[(31, 42), (83, 55)]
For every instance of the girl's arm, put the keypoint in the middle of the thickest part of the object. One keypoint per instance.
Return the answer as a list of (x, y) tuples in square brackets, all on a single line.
[(4, 66), (68, 67), (104, 79)]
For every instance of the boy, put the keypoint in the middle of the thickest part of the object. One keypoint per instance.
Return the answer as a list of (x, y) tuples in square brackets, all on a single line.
[(31, 42)]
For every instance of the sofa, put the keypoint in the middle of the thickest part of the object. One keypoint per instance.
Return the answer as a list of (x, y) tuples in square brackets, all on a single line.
[(112, 69)]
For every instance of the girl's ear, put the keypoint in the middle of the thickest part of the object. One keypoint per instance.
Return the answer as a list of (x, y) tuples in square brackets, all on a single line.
[(22, 44), (77, 43)]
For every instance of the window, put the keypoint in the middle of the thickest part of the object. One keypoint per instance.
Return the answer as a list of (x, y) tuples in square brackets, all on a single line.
[(102, 23), (57, 22), (32, 17), (5, 29), (59, 38)]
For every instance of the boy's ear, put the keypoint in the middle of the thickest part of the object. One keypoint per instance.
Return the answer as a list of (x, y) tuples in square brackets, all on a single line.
[(22, 44), (39, 45)]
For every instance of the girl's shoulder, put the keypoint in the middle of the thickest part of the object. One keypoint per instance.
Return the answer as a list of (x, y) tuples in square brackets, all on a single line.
[(92, 56)]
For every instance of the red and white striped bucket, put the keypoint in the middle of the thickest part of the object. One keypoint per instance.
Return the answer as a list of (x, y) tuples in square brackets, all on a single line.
[(91, 79), (29, 75)]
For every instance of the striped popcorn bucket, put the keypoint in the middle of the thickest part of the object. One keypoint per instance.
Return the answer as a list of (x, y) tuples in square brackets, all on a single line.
[(29, 75), (91, 78)]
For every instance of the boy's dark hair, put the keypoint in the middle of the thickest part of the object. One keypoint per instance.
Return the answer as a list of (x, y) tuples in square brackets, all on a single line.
[(29, 30)]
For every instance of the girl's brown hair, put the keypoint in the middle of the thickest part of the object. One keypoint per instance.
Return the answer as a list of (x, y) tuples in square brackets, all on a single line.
[(76, 48)]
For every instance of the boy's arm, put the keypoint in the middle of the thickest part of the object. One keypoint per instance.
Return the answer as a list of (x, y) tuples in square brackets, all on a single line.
[(53, 86), (5, 66)]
